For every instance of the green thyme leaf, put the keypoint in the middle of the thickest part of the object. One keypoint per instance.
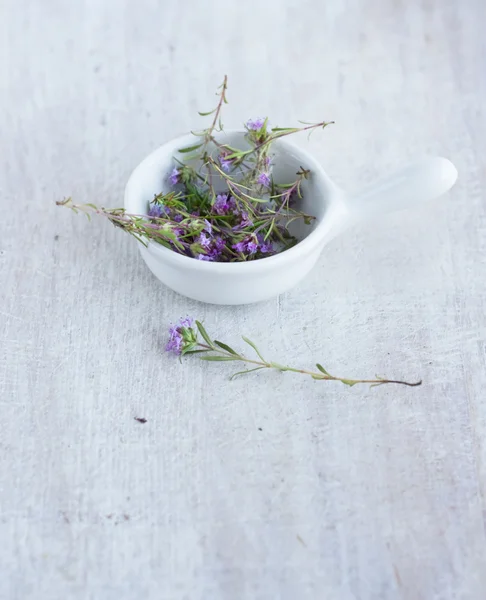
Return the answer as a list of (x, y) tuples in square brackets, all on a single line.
[(189, 148), (205, 114), (284, 129), (322, 369), (204, 334), (189, 348), (217, 358), (250, 343), (225, 347), (196, 248), (349, 382)]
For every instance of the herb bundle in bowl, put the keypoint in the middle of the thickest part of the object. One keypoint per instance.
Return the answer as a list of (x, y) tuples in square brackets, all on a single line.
[(223, 203)]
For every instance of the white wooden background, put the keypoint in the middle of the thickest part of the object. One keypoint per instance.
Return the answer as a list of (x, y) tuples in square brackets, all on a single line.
[(270, 487)]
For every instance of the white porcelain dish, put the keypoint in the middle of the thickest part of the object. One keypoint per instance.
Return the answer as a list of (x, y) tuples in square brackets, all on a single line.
[(334, 209)]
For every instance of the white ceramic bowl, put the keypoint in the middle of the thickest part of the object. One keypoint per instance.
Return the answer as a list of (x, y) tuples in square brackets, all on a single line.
[(248, 282)]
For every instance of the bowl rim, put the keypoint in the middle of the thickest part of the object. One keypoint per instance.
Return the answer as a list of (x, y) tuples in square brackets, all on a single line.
[(304, 247)]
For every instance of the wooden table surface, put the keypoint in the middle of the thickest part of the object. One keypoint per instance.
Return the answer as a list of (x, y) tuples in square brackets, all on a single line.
[(273, 486)]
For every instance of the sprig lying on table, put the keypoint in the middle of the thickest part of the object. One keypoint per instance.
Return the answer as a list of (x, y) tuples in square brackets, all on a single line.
[(183, 339)]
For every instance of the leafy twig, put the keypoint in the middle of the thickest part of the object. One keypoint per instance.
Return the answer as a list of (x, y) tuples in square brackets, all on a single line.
[(184, 340)]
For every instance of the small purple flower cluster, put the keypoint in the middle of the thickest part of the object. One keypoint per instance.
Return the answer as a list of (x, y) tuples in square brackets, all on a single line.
[(224, 204), (264, 179), (258, 129), (252, 244), (175, 176), (212, 246), (255, 124), (181, 335), (214, 243), (225, 162), (244, 223), (204, 241), (158, 211)]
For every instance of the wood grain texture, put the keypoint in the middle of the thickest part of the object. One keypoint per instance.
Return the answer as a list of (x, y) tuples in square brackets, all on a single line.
[(272, 487)]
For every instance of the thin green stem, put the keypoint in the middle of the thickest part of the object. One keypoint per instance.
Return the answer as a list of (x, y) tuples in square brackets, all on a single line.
[(222, 98), (318, 375)]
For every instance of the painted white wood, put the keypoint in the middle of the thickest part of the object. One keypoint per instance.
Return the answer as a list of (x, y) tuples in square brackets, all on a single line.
[(271, 487)]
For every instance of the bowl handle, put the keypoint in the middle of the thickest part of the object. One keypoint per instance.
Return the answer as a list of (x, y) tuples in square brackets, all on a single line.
[(418, 183)]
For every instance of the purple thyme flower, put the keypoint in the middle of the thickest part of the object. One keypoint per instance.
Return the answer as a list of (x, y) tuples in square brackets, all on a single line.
[(204, 241), (209, 227), (205, 257), (180, 335), (264, 179), (245, 222), (267, 161), (219, 244), (174, 177), (252, 246), (222, 205), (255, 125), (187, 322), (240, 246), (214, 254), (263, 246), (225, 163), (157, 210), (266, 248), (175, 341), (178, 218)]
